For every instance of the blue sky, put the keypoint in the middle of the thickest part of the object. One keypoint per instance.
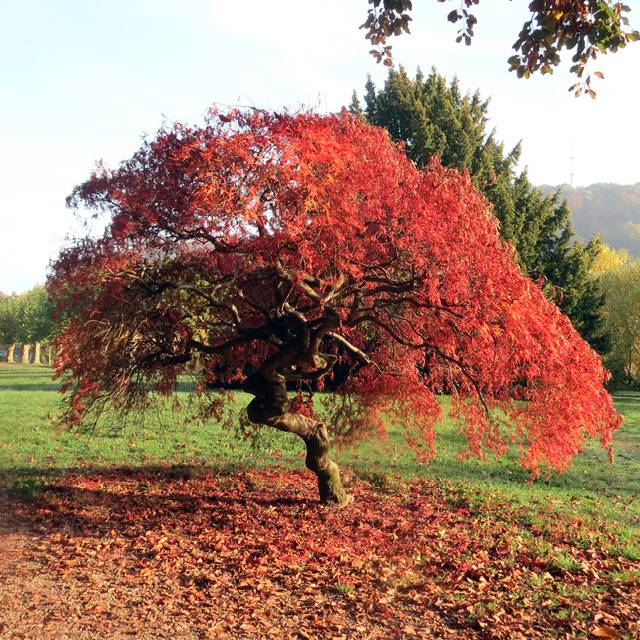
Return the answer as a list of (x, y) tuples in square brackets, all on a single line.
[(83, 81)]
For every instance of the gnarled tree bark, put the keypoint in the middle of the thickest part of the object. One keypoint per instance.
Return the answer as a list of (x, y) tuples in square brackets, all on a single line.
[(271, 407)]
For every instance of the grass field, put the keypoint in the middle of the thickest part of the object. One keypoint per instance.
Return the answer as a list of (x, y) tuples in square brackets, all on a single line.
[(464, 550), (31, 448)]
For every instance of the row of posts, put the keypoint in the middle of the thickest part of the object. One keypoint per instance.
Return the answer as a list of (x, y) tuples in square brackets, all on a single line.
[(28, 353)]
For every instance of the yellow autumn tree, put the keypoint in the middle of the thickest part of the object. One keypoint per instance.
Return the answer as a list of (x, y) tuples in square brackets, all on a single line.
[(619, 278), (608, 259)]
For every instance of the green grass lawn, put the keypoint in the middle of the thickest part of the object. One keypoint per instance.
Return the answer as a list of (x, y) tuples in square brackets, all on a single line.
[(31, 449)]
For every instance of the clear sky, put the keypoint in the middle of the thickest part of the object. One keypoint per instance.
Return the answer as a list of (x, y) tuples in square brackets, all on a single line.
[(83, 80)]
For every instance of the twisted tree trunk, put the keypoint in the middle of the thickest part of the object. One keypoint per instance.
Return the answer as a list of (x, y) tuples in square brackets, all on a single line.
[(271, 407)]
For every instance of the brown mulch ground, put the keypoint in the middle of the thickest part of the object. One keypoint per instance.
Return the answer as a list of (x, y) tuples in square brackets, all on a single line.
[(174, 554)]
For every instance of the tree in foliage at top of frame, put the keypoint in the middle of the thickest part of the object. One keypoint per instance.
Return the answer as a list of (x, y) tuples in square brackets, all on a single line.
[(267, 248), (588, 27), (433, 117)]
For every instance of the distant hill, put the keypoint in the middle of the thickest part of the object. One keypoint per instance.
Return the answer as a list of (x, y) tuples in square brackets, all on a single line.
[(612, 210)]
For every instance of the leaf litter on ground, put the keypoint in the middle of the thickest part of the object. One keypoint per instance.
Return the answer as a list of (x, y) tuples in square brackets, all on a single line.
[(155, 553)]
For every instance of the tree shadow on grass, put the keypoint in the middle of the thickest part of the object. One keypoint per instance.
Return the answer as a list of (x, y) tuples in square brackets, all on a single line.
[(94, 501), (39, 386)]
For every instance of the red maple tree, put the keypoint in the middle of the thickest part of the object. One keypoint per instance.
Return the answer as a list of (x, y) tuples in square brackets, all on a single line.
[(271, 249)]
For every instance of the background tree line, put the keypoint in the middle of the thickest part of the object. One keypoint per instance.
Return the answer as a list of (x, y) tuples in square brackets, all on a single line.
[(612, 210), (25, 319)]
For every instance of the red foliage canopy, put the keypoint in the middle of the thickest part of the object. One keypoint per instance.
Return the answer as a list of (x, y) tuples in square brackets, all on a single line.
[(293, 246)]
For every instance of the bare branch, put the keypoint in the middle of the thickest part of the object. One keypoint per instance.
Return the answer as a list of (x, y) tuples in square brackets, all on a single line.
[(351, 348)]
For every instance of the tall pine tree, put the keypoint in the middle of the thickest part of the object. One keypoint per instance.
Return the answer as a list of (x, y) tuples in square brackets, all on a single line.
[(431, 117)]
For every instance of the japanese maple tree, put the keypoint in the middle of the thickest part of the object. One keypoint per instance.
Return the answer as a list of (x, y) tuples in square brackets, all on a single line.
[(274, 250)]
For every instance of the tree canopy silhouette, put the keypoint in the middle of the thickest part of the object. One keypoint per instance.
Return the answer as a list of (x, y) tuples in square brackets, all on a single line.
[(267, 248)]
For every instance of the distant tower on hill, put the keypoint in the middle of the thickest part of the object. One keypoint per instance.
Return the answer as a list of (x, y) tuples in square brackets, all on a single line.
[(571, 164), (571, 173)]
